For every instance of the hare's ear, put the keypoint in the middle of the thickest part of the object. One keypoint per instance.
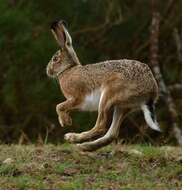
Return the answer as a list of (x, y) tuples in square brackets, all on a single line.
[(64, 39), (60, 33)]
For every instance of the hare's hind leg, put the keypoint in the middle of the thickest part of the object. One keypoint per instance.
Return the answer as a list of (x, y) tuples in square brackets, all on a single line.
[(101, 123), (111, 134)]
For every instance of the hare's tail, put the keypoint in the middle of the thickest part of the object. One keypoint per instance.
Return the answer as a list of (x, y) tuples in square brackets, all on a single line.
[(149, 115)]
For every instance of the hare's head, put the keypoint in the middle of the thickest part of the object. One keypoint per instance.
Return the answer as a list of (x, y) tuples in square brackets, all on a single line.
[(65, 57)]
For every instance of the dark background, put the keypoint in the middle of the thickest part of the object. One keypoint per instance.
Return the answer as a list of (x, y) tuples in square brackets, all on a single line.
[(101, 30)]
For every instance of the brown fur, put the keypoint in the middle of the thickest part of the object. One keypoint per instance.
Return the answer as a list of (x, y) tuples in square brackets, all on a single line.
[(124, 85)]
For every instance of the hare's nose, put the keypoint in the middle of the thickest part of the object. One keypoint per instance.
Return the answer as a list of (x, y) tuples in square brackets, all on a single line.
[(51, 70)]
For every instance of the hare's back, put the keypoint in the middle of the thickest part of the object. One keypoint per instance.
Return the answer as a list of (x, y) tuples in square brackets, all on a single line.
[(130, 69)]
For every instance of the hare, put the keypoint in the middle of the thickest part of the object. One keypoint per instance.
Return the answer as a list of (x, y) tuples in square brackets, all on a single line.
[(119, 85)]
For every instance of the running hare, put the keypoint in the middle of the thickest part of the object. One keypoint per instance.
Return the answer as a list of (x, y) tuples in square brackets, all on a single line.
[(119, 85)]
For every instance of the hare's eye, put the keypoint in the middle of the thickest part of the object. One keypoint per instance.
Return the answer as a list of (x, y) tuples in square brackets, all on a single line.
[(68, 43), (55, 59)]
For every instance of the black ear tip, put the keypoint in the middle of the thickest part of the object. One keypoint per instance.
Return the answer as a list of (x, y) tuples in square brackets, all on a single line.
[(65, 23), (54, 24)]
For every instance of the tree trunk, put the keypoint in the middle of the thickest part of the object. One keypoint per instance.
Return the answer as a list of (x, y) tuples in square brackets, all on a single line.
[(154, 63)]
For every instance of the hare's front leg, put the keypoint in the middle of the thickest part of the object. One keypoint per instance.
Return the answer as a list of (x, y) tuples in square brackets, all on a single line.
[(63, 110)]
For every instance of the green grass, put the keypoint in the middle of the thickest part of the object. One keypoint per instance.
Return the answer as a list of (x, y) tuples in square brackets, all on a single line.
[(26, 182), (61, 168), (139, 167), (74, 184), (8, 170)]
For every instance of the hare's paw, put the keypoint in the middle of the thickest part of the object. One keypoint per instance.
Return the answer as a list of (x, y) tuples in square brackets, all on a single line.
[(71, 137), (61, 121), (64, 119), (84, 147)]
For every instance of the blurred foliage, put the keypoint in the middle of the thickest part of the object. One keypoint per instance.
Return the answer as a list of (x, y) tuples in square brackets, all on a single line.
[(101, 29)]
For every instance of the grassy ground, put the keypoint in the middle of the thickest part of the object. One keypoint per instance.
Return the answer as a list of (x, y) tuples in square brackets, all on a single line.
[(49, 167)]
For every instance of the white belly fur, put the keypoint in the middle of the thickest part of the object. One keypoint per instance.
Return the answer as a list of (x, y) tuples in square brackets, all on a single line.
[(91, 101)]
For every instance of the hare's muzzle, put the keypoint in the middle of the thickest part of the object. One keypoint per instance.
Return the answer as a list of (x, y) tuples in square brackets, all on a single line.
[(49, 70)]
